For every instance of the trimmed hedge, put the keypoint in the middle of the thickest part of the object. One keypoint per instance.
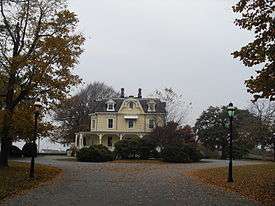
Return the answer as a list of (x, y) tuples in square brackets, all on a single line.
[(147, 148), (127, 148), (29, 149), (136, 148), (94, 153), (180, 153), (15, 152)]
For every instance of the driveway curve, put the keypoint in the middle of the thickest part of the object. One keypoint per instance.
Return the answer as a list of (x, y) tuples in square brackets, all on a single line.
[(119, 184)]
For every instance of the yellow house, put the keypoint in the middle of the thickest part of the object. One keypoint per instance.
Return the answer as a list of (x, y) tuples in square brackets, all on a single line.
[(117, 118)]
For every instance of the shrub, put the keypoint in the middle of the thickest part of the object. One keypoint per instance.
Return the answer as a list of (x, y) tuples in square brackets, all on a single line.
[(15, 152), (180, 153), (240, 151), (94, 153), (147, 148), (127, 148), (29, 149), (72, 151), (208, 153)]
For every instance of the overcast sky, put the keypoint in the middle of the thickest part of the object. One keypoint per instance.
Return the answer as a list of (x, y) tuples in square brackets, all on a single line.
[(184, 44), (150, 44)]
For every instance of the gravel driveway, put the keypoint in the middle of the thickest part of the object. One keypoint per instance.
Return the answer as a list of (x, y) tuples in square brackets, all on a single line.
[(127, 184)]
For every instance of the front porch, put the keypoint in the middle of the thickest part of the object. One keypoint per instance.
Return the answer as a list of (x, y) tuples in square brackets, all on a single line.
[(108, 139)]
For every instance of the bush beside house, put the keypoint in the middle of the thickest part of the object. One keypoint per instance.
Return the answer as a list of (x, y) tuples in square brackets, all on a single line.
[(95, 153), (15, 152), (180, 153), (127, 148), (136, 148), (29, 149), (147, 148)]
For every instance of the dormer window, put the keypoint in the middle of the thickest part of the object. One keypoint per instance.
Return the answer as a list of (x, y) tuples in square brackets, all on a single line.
[(151, 106), (110, 106), (131, 105)]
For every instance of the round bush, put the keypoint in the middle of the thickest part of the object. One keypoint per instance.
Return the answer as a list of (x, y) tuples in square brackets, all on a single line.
[(127, 148), (147, 148), (95, 153), (15, 152), (180, 153), (29, 149)]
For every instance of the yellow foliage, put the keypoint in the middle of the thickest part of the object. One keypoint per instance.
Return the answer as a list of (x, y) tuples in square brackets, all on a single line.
[(253, 181)]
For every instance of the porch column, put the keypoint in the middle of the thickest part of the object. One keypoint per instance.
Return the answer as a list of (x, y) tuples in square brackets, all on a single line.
[(81, 140), (100, 138), (75, 143)]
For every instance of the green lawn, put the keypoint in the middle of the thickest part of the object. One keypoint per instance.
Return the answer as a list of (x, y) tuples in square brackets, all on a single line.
[(15, 179), (256, 182)]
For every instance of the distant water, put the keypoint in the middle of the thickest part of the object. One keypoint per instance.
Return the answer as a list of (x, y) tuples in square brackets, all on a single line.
[(45, 144)]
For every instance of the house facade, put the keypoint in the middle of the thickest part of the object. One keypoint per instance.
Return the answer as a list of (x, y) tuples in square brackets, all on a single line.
[(117, 118)]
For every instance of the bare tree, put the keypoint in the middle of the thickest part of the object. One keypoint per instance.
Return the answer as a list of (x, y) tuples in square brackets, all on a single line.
[(73, 113), (177, 107), (264, 111)]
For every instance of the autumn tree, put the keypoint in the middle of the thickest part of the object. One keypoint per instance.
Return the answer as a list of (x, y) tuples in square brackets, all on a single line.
[(177, 107), (258, 16), (23, 124), (172, 133), (39, 48), (72, 114)]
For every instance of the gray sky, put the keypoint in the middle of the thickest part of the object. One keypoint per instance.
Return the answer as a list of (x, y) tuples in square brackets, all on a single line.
[(184, 44)]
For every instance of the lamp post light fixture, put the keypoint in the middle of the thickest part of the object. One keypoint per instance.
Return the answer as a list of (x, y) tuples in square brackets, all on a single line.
[(37, 108), (231, 113)]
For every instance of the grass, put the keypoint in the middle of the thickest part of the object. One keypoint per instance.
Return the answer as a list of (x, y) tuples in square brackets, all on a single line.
[(256, 182), (15, 179)]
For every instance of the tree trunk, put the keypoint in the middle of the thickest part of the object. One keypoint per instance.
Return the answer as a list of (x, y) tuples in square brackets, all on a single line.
[(5, 139)]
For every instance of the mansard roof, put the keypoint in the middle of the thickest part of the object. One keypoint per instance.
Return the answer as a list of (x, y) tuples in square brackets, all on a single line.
[(160, 106)]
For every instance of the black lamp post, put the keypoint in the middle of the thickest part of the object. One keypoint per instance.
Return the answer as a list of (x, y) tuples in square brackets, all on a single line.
[(273, 141), (231, 113), (37, 107)]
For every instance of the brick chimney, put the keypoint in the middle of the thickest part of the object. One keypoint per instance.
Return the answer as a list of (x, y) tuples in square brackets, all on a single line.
[(122, 95), (139, 93)]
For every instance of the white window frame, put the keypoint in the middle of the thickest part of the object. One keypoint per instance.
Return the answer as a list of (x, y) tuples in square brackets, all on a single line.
[(151, 107), (110, 107), (112, 123), (131, 104), (153, 123), (93, 126), (129, 123)]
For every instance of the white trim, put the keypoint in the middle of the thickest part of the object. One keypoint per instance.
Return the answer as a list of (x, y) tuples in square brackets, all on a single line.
[(131, 117), (111, 103), (112, 124)]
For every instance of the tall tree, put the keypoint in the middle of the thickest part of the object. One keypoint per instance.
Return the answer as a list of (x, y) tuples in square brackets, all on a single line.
[(39, 48), (212, 129), (258, 16), (73, 113), (176, 106)]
